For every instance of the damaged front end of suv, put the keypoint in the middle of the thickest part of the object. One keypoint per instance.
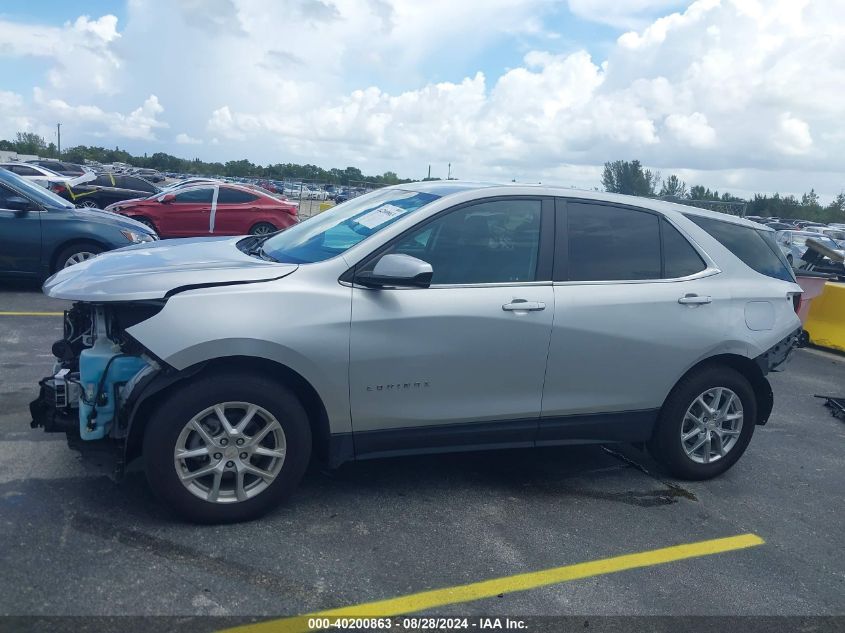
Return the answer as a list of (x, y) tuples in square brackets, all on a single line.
[(103, 374), (100, 370)]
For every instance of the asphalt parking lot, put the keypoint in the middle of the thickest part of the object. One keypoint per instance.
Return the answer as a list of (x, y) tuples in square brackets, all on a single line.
[(76, 543)]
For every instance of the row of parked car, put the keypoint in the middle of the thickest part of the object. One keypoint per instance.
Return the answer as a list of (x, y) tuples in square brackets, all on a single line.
[(49, 221), (792, 235)]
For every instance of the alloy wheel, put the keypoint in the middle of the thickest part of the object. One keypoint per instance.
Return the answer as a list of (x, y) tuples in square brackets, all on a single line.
[(712, 425), (230, 452)]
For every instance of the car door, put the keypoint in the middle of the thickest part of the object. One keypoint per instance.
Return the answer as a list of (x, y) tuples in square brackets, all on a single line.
[(235, 212), (460, 362), (636, 304), (20, 237), (188, 214)]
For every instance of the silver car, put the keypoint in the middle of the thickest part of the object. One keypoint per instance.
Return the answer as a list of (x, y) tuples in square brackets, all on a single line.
[(793, 244), (422, 318)]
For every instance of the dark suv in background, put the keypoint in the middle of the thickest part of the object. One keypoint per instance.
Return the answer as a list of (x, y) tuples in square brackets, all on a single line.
[(105, 189), (59, 166)]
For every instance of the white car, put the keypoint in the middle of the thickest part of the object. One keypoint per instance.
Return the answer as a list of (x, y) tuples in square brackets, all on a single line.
[(837, 234), (35, 173)]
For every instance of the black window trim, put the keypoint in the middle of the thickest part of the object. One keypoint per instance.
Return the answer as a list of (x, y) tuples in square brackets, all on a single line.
[(561, 251), (545, 254)]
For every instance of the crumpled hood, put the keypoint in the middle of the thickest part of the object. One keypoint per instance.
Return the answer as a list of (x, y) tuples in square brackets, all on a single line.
[(151, 270)]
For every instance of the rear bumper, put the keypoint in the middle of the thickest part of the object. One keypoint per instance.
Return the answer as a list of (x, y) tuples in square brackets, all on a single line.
[(777, 356)]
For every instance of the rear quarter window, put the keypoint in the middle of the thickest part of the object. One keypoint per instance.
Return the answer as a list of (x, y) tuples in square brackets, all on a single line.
[(755, 247)]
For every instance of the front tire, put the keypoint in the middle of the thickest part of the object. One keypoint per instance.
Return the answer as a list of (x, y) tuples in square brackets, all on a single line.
[(76, 254), (706, 423), (227, 448)]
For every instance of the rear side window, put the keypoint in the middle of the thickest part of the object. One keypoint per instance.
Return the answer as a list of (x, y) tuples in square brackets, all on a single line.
[(104, 180), (755, 247), (612, 244), (680, 259)]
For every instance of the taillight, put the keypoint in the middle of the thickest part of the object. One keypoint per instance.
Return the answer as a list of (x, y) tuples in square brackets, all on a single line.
[(56, 188)]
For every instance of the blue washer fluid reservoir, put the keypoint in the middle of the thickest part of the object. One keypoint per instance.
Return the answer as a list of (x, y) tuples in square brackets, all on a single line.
[(93, 362)]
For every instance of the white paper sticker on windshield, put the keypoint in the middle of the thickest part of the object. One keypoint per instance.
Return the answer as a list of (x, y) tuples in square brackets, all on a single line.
[(379, 216)]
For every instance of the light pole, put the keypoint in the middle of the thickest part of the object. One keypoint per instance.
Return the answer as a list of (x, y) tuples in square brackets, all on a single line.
[(59, 138)]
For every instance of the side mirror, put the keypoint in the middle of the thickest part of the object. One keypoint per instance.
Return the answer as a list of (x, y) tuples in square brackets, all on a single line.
[(18, 203), (167, 198), (397, 270)]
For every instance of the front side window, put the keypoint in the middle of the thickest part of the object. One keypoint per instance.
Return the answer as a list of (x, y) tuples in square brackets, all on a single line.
[(195, 195), (608, 243), (333, 232), (490, 242)]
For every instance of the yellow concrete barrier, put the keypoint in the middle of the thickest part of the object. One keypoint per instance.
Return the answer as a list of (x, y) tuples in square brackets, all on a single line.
[(826, 320)]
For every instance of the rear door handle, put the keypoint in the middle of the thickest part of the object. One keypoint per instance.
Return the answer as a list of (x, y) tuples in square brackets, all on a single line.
[(523, 305), (694, 299)]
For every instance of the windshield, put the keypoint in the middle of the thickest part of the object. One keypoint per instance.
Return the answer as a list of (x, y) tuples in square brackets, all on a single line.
[(340, 228), (35, 192)]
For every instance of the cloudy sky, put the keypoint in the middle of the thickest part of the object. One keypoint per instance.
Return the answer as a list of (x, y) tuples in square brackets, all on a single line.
[(740, 95)]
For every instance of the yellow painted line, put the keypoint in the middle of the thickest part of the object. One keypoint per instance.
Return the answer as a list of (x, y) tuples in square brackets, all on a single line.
[(32, 313), (508, 584)]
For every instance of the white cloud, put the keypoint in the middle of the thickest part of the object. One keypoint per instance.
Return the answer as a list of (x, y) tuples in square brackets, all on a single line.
[(720, 87), (82, 51), (138, 124), (623, 13), (692, 130), (185, 139), (793, 135)]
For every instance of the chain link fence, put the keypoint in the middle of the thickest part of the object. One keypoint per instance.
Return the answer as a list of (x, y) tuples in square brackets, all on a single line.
[(314, 196), (722, 206)]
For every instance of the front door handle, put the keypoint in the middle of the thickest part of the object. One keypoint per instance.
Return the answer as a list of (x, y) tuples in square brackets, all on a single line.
[(522, 305), (694, 299)]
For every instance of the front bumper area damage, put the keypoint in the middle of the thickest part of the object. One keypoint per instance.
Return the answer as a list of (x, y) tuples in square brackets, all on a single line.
[(98, 367)]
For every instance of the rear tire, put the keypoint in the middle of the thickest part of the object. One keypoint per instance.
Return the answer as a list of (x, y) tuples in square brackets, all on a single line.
[(691, 412), (240, 494), (262, 228)]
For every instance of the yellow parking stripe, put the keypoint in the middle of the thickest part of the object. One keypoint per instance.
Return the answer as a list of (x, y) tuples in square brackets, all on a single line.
[(32, 313), (509, 584)]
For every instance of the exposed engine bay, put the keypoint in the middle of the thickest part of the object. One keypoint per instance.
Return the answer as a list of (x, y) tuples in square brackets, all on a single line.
[(98, 366)]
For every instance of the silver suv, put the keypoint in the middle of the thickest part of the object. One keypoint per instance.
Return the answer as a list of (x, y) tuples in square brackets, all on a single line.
[(423, 318)]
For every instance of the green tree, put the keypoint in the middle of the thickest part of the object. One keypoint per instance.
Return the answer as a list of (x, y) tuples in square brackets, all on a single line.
[(629, 177), (29, 143), (673, 187)]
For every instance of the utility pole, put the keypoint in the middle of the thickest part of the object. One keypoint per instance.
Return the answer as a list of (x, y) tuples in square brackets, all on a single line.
[(59, 137), (429, 171), (449, 174)]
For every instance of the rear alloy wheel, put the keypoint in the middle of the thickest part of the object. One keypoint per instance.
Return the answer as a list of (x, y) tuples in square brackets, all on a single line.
[(705, 424), (226, 448), (262, 228), (76, 254), (88, 204)]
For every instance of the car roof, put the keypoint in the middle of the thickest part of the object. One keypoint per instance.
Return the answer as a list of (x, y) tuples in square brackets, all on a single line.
[(445, 188)]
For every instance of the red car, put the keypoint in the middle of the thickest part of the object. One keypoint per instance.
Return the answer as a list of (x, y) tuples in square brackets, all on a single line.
[(211, 209)]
